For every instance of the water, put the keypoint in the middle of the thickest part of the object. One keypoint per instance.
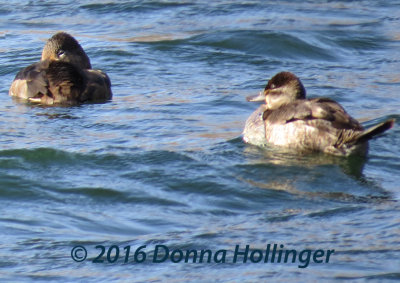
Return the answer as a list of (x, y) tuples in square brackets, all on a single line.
[(163, 163)]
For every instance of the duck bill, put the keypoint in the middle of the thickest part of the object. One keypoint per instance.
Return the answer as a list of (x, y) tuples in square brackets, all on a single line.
[(42, 99), (256, 98)]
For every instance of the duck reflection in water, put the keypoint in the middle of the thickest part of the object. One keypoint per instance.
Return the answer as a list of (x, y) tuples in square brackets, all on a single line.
[(281, 169)]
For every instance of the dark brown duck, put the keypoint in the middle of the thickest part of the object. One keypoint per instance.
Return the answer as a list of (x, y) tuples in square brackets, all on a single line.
[(64, 75)]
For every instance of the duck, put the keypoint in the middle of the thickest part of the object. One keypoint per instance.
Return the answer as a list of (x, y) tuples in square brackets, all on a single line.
[(63, 76), (289, 120)]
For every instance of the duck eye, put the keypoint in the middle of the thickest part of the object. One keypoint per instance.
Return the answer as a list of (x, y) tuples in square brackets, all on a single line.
[(60, 53), (273, 86)]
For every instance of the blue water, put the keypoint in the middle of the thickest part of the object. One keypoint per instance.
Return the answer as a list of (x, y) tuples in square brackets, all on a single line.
[(163, 163)]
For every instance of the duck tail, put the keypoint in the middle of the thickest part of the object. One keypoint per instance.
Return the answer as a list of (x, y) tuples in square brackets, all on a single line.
[(373, 131)]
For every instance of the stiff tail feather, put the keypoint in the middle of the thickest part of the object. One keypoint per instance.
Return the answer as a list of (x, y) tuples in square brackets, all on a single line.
[(373, 131)]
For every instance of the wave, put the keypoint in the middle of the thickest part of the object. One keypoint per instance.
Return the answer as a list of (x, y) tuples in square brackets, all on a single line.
[(249, 42)]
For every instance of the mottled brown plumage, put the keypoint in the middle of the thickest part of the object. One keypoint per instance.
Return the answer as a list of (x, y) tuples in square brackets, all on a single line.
[(62, 76), (320, 124)]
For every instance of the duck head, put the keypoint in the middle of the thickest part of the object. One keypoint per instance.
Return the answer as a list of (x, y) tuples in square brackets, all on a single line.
[(63, 47), (281, 89)]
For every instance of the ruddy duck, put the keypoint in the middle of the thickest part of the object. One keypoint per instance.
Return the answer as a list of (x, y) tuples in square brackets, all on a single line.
[(64, 75), (290, 120)]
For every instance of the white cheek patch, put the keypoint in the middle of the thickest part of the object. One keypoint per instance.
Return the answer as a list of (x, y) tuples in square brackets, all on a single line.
[(276, 99)]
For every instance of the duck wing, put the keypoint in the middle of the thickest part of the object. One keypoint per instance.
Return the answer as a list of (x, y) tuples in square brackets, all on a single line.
[(31, 81), (98, 86), (326, 110), (49, 82)]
